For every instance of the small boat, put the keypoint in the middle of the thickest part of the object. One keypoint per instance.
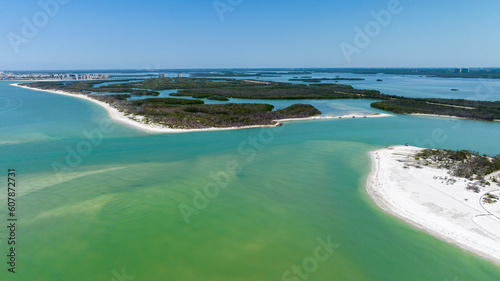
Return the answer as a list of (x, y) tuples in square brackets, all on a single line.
[(454, 90)]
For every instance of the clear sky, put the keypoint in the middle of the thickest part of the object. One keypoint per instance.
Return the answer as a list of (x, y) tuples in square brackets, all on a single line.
[(91, 34)]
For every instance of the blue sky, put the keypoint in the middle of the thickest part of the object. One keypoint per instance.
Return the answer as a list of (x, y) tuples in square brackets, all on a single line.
[(125, 34)]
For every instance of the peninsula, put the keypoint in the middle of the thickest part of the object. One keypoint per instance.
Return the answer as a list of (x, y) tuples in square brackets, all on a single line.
[(453, 195), (168, 114), (191, 112)]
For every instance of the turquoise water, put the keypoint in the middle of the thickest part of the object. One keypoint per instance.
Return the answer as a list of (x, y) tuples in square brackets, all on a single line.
[(118, 207), (31, 116)]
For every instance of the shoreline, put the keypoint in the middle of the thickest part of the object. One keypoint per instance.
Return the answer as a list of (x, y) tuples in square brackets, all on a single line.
[(448, 116), (437, 115), (121, 117), (421, 198)]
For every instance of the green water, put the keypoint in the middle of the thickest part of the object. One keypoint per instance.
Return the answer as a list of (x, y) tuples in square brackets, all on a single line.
[(118, 208)]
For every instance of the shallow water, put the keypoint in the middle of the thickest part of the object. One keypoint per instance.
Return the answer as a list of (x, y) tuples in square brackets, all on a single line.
[(409, 85), (117, 209)]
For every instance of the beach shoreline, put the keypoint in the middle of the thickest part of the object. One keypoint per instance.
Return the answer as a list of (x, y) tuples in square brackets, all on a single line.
[(135, 121), (437, 115), (445, 116), (417, 196)]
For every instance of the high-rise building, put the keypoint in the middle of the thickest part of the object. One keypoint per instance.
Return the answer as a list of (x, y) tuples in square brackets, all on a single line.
[(179, 75), (162, 75)]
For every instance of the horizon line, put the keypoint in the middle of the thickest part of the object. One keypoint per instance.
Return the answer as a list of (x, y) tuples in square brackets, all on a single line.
[(249, 68)]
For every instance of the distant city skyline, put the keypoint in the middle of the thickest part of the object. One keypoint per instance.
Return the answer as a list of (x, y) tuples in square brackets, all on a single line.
[(65, 34)]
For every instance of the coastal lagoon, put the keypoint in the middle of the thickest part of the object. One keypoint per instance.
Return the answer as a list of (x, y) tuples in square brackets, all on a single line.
[(405, 85), (97, 199)]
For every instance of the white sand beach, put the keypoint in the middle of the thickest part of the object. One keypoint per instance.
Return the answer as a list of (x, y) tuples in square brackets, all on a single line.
[(442, 116), (348, 116), (436, 115), (137, 122), (426, 198)]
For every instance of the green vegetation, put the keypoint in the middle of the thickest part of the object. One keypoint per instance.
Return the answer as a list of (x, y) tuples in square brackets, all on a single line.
[(480, 110), (463, 163), (297, 111), (160, 84), (223, 89), (144, 93), (274, 91), (120, 96), (219, 115), (219, 98), (490, 198), (185, 113), (246, 73), (317, 80), (89, 86), (166, 101), (228, 88)]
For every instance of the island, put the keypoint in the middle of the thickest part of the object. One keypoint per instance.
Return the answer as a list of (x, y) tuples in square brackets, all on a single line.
[(465, 72), (459, 72), (469, 109), (453, 195), (191, 111), (238, 73), (317, 80)]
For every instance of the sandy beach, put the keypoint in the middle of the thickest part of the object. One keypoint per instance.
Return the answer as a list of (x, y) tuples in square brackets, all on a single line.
[(425, 198), (436, 115), (347, 116), (135, 121), (442, 116)]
